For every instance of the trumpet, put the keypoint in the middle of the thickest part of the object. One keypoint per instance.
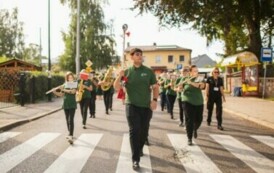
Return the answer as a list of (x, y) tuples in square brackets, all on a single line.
[(54, 89)]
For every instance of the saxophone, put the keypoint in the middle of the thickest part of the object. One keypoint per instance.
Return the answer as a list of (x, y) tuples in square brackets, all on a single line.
[(80, 91), (107, 81)]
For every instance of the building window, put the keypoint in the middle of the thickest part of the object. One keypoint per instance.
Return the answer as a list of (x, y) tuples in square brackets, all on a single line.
[(158, 59), (170, 58), (182, 58)]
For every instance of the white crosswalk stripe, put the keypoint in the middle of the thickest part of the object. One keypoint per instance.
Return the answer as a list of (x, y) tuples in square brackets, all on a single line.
[(194, 159), (13, 157), (125, 162), (253, 159), (7, 135), (75, 157), (267, 140)]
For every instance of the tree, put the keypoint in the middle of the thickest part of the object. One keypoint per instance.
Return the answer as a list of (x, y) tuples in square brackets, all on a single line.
[(11, 34), (95, 44), (32, 54), (236, 22)]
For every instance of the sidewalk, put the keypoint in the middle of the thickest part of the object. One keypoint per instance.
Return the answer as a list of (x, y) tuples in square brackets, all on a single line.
[(253, 109), (14, 116)]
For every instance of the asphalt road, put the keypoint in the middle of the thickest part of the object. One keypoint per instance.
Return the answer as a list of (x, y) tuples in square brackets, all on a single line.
[(41, 146)]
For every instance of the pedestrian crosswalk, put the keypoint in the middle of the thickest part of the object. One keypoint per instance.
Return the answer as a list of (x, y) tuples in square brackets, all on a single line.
[(74, 157)]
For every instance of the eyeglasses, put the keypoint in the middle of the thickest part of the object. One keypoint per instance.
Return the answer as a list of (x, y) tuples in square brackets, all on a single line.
[(138, 54), (216, 72)]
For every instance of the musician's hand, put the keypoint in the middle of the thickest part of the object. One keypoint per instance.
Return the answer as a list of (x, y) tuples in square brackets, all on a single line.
[(153, 105), (122, 73)]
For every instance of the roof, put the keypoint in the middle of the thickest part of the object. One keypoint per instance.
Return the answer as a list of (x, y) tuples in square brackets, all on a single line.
[(244, 58), (158, 48), (202, 61), (19, 63)]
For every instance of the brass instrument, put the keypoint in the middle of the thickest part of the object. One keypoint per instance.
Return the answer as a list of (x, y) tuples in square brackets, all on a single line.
[(187, 80), (79, 93), (107, 81), (54, 89)]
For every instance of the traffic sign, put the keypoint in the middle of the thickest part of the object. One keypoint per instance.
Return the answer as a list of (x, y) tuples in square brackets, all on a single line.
[(266, 54)]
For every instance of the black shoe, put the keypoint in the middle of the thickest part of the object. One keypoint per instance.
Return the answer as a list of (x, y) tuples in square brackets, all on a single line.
[(93, 116), (181, 124), (84, 127), (135, 165), (220, 128), (141, 153), (208, 123), (189, 142), (110, 109), (195, 134), (107, 112)]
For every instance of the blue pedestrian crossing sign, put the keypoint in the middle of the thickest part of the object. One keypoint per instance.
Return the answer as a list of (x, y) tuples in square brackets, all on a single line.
[(266, 54), (179, 66)]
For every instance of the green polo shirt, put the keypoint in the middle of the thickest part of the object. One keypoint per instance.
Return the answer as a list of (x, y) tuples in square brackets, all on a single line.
[(192, 95), (178, 80), (86, 93), (169, 90), (161, 88), (138, 91), (69, 101)]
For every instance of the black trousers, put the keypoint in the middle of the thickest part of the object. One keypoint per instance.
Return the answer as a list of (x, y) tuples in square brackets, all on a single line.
[(219, 109), (70, 120), (163, 100), (194, 118), (138, 119), (171, 100), (107, 99), (92, 104), (84, 103), (181, 110)]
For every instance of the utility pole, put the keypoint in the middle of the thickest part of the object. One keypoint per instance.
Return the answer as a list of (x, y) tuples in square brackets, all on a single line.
[(77, 58), (49, 62)]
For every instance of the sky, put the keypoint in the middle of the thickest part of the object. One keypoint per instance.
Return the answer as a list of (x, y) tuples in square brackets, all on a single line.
[(144, 30)]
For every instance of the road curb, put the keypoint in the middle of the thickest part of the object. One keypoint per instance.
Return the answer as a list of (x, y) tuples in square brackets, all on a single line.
[(20, 122), (247, 117)]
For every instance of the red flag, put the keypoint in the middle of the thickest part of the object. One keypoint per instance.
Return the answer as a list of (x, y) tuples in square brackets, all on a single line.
[(128, 34)]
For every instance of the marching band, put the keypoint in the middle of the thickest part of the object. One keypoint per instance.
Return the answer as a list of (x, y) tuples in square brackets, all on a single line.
[(185, 87)]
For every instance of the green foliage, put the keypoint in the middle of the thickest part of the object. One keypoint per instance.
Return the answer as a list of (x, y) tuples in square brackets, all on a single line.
[(3, 59), (95, 44), (236, 22), (11, 34), (37, 85), (32, 54)]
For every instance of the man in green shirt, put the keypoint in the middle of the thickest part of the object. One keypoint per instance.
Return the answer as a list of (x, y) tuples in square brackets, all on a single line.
[(140, 81)]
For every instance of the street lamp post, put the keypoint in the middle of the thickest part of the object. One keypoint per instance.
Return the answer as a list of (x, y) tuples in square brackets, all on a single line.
[(77, 58), (49, 61), (124, 27)]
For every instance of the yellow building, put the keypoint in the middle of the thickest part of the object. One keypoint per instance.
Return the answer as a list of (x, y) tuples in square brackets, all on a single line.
[(162, 57)]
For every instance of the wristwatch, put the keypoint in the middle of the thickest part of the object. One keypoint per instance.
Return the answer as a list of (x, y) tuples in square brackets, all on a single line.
[(155, 99)]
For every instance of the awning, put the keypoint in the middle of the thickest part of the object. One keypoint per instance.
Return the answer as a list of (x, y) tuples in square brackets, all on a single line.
[(241, 59)]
